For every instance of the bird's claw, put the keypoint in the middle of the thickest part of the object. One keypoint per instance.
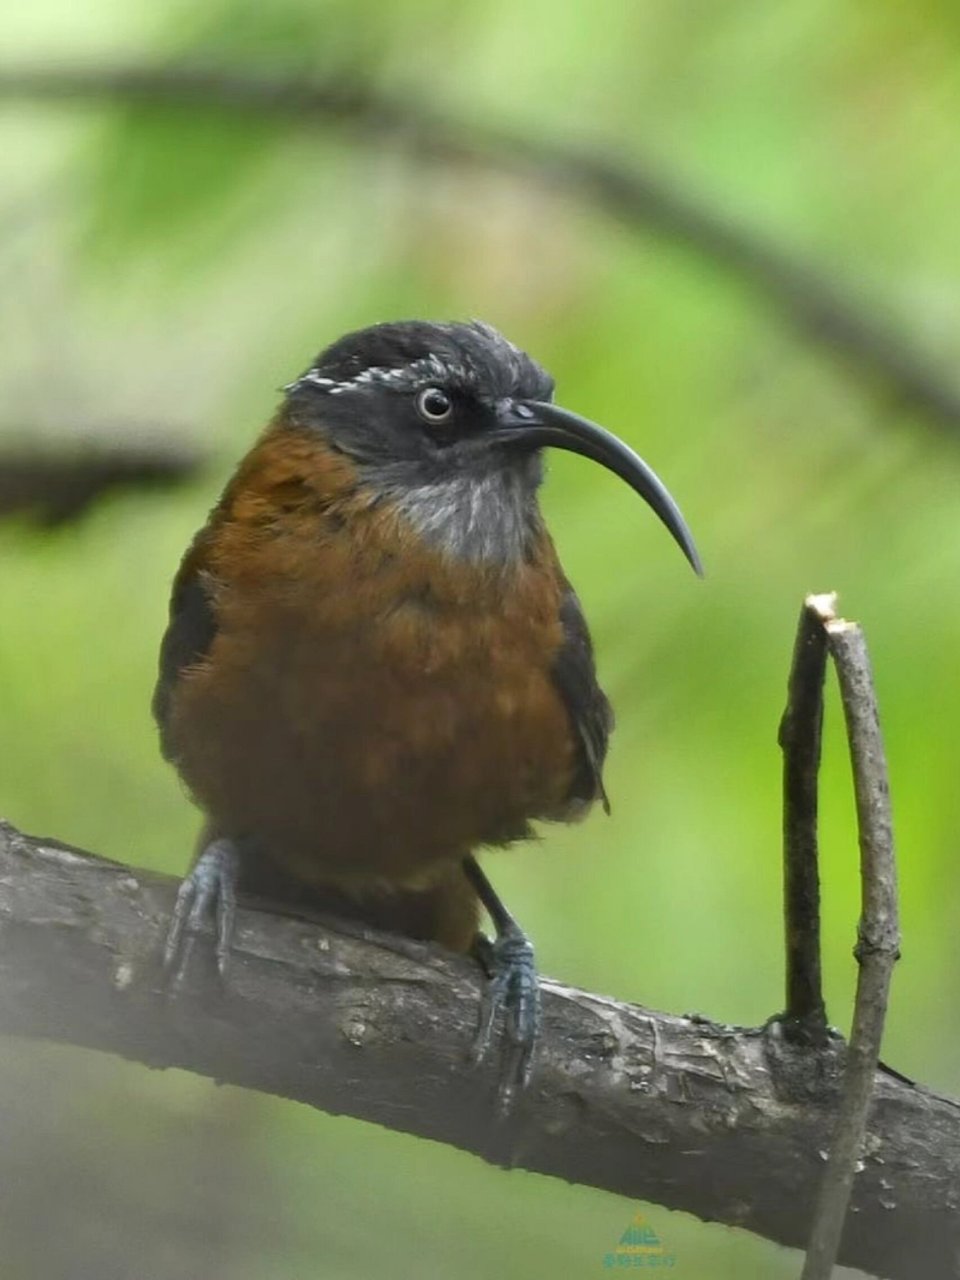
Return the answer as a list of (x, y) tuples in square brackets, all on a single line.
[(514, 991), (209, 890)]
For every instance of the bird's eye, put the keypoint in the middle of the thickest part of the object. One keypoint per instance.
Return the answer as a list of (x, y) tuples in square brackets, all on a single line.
[(434, 405)]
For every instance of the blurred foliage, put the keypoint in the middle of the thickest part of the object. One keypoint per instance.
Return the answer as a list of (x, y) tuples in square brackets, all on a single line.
[(178, 265)]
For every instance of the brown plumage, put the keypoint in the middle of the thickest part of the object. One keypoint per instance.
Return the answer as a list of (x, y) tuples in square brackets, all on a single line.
[(368, 712)]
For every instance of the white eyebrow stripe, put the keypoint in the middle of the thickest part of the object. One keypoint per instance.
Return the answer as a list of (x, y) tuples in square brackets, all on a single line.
[(407, 376)]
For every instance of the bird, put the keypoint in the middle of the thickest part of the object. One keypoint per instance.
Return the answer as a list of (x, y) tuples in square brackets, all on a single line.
[(375, 666)]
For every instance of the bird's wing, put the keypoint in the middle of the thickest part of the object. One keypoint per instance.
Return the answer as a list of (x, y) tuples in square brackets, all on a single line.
[(187, 640), (590, 713)]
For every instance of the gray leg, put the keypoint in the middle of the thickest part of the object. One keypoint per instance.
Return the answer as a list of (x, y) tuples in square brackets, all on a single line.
[(209, 890), (513, 990)]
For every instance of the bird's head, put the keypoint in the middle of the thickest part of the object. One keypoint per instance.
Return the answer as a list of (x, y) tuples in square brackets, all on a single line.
[(448, 423)]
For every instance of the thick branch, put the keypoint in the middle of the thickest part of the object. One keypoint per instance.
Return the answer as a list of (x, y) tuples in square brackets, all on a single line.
[(680, 1111), (640, 197)]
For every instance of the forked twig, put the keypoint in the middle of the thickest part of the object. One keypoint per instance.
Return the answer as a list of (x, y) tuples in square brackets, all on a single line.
[(878, 935)]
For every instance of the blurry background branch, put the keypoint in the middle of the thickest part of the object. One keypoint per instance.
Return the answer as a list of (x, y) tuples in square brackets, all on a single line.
[(53, 484), (638, 196), (726, 1123)]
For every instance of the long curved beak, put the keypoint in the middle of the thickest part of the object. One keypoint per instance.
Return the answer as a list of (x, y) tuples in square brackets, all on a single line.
[(531, 424)]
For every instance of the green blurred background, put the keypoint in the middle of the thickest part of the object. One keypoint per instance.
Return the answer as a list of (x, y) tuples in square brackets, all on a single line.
[(165, 270)]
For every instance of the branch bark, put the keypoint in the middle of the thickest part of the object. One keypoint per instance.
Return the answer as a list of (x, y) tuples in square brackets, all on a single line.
[(636, 195), (719, 1121)]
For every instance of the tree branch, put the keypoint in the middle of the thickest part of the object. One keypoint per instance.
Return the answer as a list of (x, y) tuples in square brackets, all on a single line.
[(681, 1111), (638, 196)]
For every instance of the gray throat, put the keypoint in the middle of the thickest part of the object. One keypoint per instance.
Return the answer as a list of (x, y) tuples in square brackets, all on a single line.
[(491, 518)]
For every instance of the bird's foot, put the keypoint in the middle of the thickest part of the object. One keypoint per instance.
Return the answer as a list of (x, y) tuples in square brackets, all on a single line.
[(210, 890), (513, 991)]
